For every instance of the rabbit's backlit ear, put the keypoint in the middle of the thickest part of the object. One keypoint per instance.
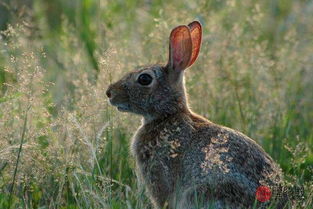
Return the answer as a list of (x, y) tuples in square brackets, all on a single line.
[(196, 37), (180, 48)]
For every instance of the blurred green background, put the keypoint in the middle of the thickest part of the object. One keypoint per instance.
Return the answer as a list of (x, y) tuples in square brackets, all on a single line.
[(63, 146)]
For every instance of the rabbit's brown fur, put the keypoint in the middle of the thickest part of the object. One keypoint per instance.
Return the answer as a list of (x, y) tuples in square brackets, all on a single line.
[(184, 160)]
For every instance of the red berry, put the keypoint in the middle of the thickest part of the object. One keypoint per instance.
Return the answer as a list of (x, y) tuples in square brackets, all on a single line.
[(263, 193)]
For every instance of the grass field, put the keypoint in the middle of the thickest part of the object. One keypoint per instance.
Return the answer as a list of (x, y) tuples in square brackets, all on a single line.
[(63, 146)]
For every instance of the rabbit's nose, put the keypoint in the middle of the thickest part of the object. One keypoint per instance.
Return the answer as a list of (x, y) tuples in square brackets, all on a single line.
[(108, 93)]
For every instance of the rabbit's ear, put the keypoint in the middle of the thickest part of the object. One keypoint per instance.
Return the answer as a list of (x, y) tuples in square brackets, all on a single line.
[(180, 48), (196, 37)]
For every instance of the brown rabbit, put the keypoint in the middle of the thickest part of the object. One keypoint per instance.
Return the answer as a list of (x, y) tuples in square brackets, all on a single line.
[(183, 159)]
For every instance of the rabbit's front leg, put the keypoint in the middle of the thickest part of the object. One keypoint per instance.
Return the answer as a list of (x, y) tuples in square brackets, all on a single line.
[(157, 177)]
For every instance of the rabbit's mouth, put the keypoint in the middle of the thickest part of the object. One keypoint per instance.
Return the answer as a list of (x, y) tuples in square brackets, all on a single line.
[(122, 107)]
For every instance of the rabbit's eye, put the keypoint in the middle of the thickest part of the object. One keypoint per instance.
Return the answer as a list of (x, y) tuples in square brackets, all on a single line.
[(144, 79)]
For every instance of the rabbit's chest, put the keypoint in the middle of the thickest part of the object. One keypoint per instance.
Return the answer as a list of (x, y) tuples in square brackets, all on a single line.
[(158, 153), (163, 145), (158, 157)]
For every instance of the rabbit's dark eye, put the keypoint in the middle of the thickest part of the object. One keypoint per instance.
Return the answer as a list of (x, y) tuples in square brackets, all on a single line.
[(144, 79)]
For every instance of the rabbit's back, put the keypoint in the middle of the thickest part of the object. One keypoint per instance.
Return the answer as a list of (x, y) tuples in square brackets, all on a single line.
[(226, 164)]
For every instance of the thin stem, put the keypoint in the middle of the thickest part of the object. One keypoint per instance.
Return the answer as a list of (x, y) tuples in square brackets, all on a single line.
[(243, 118), (18, 158)]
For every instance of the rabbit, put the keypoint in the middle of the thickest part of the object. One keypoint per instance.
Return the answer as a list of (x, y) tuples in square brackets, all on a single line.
[(184, 160)]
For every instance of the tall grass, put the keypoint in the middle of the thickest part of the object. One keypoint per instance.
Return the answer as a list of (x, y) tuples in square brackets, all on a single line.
[(255, 71)]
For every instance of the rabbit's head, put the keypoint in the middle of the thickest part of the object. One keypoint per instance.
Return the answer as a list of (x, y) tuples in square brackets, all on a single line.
[(157, 90)]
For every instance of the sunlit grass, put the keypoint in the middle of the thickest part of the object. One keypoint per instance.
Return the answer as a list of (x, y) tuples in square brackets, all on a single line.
[(254, 74)]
